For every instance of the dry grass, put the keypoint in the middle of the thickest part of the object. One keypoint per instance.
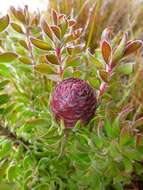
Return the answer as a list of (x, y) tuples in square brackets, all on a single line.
[(94, 16)]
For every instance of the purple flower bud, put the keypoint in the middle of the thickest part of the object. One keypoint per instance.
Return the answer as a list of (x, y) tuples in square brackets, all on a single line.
[(72, 100)]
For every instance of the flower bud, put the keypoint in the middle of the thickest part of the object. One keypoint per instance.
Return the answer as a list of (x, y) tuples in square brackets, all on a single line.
[(73, 100)]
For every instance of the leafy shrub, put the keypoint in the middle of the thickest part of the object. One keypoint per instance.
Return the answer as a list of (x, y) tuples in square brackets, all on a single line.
[(35, 152)]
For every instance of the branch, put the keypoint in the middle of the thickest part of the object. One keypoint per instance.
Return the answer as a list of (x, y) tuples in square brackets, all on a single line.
[(4, 131)]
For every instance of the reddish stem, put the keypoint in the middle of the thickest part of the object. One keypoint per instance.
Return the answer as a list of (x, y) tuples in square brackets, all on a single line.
[(58, 54), (30, 46), (104, 85)]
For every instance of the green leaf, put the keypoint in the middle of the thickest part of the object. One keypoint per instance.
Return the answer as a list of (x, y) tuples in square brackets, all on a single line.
[(5, 149), (98, 141), (44, 68), (3, 167), (126, 68), (25, 60), (19, 153), (114, 151), (128, 165), (105, 76), (64, 26), (108, 128), (17, 28), (52, 58), (69, 38), (95, 61), (132, 154), (77, 74), (119, 52), (4, 22), (7, 57), (75, 49), (116, 128), (73, 61), (4, 70), (3, 99), (94, 82), (37, 122), (138, 168), (12, 172), (23, 43), (68, 72), (125, 136), (42, 164), (28, 162), (3, 84), (2, 110), (118, 186), (35, 31), (40, 44), (5, 186)]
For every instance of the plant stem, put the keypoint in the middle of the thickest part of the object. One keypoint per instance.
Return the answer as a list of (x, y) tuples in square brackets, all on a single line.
[(30, 46), (58, 54), (4, 131)]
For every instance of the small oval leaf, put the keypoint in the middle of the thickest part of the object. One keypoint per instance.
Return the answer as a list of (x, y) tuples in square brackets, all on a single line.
[(25, 60), (75, 49), (64, 26), (42, 59), (72, 61), (125, 68), (95, 61), (7, 57), (12, 172), (106, 51), (17, 28), (40, 44), (46, 28), (132, 47), (3, 99), (119, 52), (4, 22), (70, 38), (44, 68), (52, 58), (105, 76), (56, 30), (23, 44), (3, 84)]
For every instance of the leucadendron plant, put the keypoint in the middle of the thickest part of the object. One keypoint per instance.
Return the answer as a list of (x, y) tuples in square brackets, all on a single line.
[(50, 82)]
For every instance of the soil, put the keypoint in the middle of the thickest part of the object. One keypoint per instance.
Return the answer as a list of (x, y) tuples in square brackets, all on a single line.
[(136, 185)]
